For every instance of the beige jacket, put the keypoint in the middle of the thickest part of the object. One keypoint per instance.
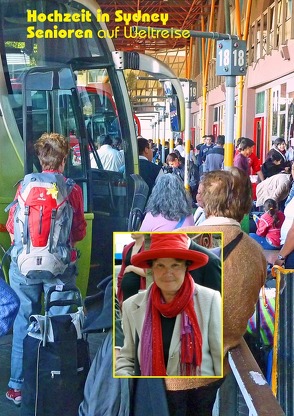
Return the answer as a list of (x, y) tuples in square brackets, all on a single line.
[(208, 307), (276, 187)]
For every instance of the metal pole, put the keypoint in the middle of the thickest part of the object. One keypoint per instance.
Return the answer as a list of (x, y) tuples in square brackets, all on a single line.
[(187, 142), (158, 134), (230, 107), (163, 140), (192, 33)]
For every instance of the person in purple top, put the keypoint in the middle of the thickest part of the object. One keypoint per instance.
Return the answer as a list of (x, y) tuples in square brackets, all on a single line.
[(245, 148), (169, 206)]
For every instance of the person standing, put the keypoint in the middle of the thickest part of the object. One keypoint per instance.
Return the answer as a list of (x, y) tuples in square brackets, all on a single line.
[(148, 170), (199, 215), (245, 149), (52, 150), (215, 157), (224, 214), (110, 158), (130, 279), (179, 147), (169, 206), (204, 149), (173, 311), (177, 164)]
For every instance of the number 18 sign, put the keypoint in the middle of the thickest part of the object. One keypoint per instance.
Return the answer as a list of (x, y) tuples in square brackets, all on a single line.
[(231, 57)]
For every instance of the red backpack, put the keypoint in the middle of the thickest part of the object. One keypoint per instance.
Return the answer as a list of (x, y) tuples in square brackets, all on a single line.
[(42, 225)]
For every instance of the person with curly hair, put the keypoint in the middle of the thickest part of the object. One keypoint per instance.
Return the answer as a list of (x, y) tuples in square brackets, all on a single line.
[(169, 206), (243, 273)]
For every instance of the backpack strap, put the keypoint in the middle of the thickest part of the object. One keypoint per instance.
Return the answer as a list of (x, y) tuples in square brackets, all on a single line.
[(52, 225), (180, 223), (70, 183), (26, 227), (232, 244), (10, 205)]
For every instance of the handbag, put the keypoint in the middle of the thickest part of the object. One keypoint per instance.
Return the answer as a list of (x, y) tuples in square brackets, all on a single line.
[(180, 223), (260, 329), (262, 322)]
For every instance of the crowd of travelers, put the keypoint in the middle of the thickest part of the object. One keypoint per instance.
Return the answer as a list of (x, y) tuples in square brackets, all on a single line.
[(171, 326), (263, 193)]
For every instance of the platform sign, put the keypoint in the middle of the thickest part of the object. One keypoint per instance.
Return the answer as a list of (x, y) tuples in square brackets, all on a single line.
[(231, 57), (189, 90)]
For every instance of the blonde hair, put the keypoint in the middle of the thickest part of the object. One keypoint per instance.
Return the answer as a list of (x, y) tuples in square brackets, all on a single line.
[(51, 149), (226, 193)]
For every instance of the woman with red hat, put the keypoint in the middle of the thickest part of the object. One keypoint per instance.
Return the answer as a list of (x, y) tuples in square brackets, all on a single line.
[(174, 327)]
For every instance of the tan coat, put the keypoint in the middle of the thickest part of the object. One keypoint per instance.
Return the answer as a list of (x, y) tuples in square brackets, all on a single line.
[(244, 275)]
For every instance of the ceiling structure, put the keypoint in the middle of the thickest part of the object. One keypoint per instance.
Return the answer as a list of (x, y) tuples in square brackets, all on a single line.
[(174, 52), (181, 14)]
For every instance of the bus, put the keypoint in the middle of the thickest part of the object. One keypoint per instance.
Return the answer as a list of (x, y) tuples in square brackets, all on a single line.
[(41, 63)]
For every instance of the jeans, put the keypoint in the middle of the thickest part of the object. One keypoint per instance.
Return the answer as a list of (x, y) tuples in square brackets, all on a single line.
[(262, 241), (30, 292)]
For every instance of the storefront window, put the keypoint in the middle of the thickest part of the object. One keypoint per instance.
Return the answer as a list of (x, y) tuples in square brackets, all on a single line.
[(260, 97), (275, 124)]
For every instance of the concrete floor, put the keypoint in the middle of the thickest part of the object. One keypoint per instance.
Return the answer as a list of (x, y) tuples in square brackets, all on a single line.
[(8, 408)]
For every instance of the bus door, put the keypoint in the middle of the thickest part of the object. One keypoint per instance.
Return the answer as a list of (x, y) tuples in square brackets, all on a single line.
[(52, 102)]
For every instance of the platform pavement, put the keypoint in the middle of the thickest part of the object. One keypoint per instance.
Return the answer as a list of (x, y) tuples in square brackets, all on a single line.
[(7, 408)]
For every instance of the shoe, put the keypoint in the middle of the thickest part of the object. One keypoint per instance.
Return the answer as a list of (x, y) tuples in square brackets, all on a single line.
[(14, 396)]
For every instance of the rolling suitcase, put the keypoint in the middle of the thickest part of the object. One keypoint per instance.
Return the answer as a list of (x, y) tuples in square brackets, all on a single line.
[(55, 360)]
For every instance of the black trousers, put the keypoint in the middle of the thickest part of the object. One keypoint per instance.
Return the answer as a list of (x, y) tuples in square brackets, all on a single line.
[(194, 402)]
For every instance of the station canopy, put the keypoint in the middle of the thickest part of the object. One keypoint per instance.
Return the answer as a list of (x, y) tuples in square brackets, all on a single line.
[(180, 15)]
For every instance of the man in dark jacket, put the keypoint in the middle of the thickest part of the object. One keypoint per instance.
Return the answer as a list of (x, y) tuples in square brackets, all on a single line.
[(215, 157), (204, 149), (148, 170)]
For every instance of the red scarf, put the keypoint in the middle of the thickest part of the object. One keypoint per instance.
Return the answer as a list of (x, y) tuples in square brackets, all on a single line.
[(191, 338)]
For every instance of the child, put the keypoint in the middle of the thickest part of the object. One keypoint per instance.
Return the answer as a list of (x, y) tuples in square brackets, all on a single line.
[(269, 225)]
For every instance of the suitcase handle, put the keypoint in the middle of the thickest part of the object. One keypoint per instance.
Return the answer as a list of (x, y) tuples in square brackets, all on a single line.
[(63, 302), (60, 302)]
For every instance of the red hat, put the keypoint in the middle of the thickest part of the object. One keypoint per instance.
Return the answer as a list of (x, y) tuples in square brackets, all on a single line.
[(169, 245)]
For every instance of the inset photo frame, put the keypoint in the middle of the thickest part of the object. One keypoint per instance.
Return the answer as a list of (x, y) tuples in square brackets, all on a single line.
[(168, 308)]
